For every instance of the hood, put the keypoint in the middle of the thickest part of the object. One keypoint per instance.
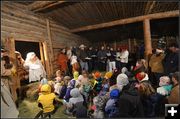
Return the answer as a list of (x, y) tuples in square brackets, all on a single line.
[(122, 80), (75, 93), (76, 75), (46, 89)]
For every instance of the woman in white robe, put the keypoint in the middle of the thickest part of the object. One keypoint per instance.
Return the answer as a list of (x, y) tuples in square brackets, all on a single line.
[(36, 69)]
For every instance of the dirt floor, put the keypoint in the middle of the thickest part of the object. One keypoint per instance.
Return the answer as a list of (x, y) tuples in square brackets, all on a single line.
[(29, 109)]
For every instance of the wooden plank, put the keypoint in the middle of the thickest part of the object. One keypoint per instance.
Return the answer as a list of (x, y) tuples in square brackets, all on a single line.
[(149, 6), (127, 21), (50, 43), (39, 4), (49, 6)]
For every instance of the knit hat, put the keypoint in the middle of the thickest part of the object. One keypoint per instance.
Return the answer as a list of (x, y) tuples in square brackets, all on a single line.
[(142, 76), (124, 70), (67, 78), (122, 80), (97, 74), (46, 88), (76, 75), (114, 94), (164, 80), (108, 75)]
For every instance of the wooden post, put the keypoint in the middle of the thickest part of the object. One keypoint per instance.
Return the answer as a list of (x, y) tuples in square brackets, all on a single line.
[(51, 56), (147, 38), (15, 82)]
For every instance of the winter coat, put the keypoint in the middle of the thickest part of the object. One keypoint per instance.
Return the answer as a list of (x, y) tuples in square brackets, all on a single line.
[(98, 85), (83, 54), (164, 90), (111, 108), (62, 62), (71, 85), (174, 95), (171, 63), (156, 63), (101, 54), (130, 104), (62, 92)]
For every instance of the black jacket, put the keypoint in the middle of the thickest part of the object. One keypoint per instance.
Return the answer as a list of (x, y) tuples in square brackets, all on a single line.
[(130, 104), (171, 63)]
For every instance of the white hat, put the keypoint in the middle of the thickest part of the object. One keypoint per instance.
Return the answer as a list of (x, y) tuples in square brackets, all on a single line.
[(82, 46), (122, 80)]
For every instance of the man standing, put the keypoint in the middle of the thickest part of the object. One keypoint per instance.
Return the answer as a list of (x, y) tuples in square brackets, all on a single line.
[(102, 59), (171, 60), (83, 58)]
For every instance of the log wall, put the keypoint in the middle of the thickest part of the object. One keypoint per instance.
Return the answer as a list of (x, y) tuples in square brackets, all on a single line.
[(24, 25)]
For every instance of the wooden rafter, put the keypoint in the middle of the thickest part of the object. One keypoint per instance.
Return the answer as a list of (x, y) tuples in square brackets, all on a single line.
[(149, 6), (42, 5), (127, 21)]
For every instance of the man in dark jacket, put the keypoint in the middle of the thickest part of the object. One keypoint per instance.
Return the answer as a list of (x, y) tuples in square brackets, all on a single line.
[(129, 103), (83, 58), (171, 60), (102, 59)]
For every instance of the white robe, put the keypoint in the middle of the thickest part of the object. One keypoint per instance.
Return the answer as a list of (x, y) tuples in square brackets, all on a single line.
[(36, 70)]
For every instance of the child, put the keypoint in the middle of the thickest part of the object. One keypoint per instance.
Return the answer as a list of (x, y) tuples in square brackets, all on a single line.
[(64, 85), (76, 104), (165, 86), (59, 79), (98, 86), (111, 106), (105, 85), (71, 85), (43, 82), (99, 103), (46, 99)]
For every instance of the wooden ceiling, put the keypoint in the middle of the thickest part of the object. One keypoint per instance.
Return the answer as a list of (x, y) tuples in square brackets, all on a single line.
[(78, 14), (75, 15)]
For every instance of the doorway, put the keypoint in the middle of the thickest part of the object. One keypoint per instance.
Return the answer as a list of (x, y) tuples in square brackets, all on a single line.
[(24, 47)]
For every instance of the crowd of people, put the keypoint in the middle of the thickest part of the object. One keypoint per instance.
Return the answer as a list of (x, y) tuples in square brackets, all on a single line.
[(92, 83)]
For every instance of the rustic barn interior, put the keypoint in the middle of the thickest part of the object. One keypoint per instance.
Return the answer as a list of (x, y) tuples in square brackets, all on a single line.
[(53, 25)]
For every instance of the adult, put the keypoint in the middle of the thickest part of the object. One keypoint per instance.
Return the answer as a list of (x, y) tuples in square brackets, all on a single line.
[(124, 57), (118, 53), (8, 107), (102, 59), (62, 61), (171, 60), (129, 103), (69, 55), (155, 63), (36, 69), (83, 57), (174, 95), (112, 61), (90, 61), (147, 94)]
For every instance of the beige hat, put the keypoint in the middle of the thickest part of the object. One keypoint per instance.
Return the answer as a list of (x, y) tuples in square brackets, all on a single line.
[(82, 46)]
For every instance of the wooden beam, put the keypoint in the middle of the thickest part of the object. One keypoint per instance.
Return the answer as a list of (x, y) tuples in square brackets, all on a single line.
[(149, 6), (127, 21), (39, 4), (50, 43), (48, 6), (42, 5)]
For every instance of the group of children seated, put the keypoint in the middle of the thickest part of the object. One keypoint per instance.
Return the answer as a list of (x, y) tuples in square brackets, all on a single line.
[(98, 96)]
